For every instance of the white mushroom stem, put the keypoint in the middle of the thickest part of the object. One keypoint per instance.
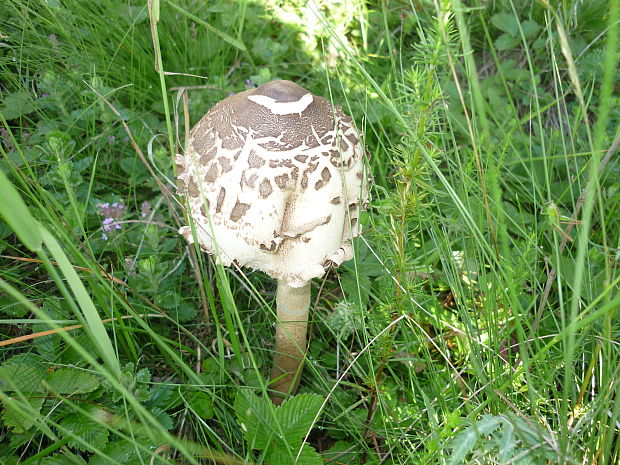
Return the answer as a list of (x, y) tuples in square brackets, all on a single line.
[(292, 311)]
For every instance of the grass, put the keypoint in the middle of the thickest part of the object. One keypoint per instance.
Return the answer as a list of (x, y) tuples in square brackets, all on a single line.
[(479, 320)]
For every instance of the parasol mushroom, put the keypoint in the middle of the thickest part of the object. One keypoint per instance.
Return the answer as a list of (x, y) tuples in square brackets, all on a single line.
[(274, 179)]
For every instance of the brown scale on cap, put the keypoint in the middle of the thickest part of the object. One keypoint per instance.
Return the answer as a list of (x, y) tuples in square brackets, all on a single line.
[(280, 152)]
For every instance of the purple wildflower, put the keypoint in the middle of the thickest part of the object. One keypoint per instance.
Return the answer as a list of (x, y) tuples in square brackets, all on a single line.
[(111, 213)]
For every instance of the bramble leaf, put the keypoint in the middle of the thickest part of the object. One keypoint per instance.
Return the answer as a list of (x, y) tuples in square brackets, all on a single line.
[(71, 381), (92, 432), (22, 372), (20, 415), (282, 456), (255, 418), (297, 414)]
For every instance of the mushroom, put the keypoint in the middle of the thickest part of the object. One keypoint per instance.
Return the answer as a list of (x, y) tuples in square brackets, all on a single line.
[(274, 179)]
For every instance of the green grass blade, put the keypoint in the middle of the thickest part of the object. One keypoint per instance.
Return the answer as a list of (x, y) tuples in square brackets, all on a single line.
[(95, 327), (16, 214)]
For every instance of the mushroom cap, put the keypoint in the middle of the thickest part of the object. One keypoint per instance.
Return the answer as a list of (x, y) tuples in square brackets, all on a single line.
[(274, 179)]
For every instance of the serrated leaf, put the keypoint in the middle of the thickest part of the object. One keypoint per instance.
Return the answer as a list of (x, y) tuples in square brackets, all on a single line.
[(506, 42), (506, 22), (118, 452), (71, 381), (18, 104), (48, 346), (162, 417), (297, 414), (12, 308), (19, 414), (530, 28), (286, 456), (88, 429), (143, 375), (202, 404), (342, 452), (161, 396), (255, 418), (22, 372)]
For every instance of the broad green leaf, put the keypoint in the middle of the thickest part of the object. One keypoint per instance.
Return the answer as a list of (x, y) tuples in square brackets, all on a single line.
[(202, 404), (530, 28), (292, 456), (18, 104), (255, 418), (162, 417), (506, 42), (506, 22), (71, 381), (12, 308), (118, 452), (23, 373), (15, 212), (20, 415), (93, 433), (96, 329), (163, 396), (47, 346), (342, 452), (465, 441), (297, 414)]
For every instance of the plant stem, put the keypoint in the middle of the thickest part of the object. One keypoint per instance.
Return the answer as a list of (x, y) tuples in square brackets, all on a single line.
[(292, 306)]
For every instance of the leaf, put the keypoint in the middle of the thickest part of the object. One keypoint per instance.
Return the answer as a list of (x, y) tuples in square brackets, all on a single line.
[(47, 346), (507, 442), (16, 214), (162, 417), (118, 452), (18, 104), (286, 456), (162, 396), (202, 404), (93, 433), (12, 308), (255, 418), (506, 22), (342, 452), (20, 415), (71, 381), (356, 288), (465, 441), (506, 42), (22, 372), (530, 28), (297, 414)]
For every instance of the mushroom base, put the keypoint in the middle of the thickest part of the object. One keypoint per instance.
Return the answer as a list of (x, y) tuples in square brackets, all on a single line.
[(292, 311)]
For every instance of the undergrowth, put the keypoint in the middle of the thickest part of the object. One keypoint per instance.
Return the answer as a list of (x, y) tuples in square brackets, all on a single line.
[(478, 322)]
